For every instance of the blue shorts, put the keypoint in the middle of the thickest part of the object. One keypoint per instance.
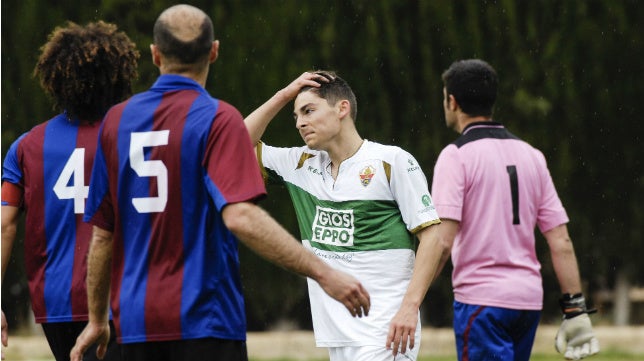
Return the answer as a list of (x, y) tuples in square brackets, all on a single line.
[(493, 333)]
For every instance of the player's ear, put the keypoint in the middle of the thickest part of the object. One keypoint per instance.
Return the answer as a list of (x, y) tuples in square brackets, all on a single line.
[(156, 56), (452, 104), (344, 108), (214, 51)]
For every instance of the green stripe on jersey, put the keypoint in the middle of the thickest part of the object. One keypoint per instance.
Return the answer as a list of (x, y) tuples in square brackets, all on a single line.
[(349, 226)]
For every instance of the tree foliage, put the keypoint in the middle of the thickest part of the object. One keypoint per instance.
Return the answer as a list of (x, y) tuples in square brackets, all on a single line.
[(571, 85)]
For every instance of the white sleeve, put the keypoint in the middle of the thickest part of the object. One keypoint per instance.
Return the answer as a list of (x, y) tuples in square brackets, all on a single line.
[(411, 192), (277, 163)]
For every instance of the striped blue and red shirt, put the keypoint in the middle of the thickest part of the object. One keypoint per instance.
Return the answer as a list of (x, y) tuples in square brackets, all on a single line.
[(52, 165), (168, 161)]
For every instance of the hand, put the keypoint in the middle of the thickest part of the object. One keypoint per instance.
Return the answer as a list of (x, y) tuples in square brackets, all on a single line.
[(402, 330), (348, 291), (575, 338), (304, 80), (93, 332), (5, 335)]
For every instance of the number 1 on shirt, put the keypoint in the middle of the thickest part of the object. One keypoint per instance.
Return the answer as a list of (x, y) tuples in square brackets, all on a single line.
[(514, 189)]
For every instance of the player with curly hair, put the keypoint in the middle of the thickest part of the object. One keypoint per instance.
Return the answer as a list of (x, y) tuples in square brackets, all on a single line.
[(85, 70)]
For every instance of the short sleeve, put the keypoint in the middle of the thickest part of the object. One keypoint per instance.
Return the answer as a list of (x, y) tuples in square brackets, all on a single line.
[(551, 211), (411, 192), (11, 170), (232, 171), (448, 184)]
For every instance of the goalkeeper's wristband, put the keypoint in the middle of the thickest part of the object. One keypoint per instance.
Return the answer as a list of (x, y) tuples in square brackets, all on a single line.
[(574, 305)]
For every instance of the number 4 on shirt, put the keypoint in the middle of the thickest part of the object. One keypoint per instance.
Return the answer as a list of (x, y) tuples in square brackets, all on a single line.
[(78, 191)]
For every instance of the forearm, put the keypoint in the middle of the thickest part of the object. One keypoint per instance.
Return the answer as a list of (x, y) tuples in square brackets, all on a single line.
[(431, 256), (564, 260), (8, 236), (263, 235), (9, 227), (259, 119), (99, 274)]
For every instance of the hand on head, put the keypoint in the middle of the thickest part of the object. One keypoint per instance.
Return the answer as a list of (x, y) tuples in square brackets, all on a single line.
[(307, 79)]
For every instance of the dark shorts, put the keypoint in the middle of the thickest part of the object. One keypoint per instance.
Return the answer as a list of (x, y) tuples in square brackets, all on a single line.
[(186, 350), (61, 337), (492, 333)]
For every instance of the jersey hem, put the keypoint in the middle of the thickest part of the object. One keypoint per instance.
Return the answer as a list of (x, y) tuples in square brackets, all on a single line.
[(495, 303)]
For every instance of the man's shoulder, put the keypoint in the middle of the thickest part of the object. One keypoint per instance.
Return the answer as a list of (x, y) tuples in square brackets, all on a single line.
[(386, 152), (225, 107)]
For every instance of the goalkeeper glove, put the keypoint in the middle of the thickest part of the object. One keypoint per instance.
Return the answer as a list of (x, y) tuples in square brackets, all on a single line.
[(575, 338)]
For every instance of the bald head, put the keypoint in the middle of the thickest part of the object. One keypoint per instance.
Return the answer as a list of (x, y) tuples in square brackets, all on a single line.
[(184, 35)]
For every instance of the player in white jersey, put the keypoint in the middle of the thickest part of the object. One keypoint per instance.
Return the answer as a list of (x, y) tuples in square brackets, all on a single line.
[(492, 189), (359, 205)]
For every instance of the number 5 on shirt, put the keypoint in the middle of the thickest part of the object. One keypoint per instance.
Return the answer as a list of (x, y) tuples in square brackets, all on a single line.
[(149, 168)]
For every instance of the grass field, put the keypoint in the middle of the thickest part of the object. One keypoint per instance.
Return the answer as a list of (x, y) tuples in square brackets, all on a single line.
[(617, 343), (603, 356)]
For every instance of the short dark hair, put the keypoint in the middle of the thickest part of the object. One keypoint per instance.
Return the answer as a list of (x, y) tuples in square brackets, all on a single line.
[(87, 69), (473, 83), (194, 52), (333, 90)]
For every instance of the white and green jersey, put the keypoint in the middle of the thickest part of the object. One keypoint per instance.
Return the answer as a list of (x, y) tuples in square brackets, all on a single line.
[(361, 223)]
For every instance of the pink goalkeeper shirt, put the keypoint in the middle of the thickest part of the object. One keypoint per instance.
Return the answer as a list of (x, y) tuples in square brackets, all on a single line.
[(499, 188)]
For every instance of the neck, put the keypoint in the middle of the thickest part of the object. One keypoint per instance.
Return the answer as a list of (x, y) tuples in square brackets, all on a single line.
[(345, 148), (466, 120), (198, 77)]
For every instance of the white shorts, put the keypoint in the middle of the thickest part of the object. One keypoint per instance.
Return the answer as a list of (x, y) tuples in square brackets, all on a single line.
[(370, 353)]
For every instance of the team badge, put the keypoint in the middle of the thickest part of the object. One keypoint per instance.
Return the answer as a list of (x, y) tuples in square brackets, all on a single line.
[(366, 174)]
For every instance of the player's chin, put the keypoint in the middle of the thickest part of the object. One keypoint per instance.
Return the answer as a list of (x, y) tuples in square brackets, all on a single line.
[(310, 142)]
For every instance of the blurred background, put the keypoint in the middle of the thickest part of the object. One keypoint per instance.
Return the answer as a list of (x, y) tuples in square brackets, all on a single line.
[(571, 83)]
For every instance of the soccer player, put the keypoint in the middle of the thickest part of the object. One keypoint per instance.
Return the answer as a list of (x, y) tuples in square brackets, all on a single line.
[(359, 205), (85, 69), (172, 190), (491, 190)]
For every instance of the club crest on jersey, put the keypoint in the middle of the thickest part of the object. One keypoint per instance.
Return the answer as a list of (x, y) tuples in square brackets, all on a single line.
[(366, 174)]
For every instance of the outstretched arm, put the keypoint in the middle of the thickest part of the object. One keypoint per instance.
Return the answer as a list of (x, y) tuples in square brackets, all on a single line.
[(262, 234), (258, 120), (431, 256)]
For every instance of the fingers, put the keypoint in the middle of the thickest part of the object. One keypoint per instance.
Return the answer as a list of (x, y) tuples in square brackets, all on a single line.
[(560, 341), (101, 349), (587, 349), (305, 80), (399, 338), (91, 334), (361, 302), (77, 353), (5, 331), (357, 301), (399, 343)]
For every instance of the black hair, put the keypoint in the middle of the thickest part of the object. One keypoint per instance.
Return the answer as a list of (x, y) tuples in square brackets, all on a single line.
[(473, 83), (87, 69)]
